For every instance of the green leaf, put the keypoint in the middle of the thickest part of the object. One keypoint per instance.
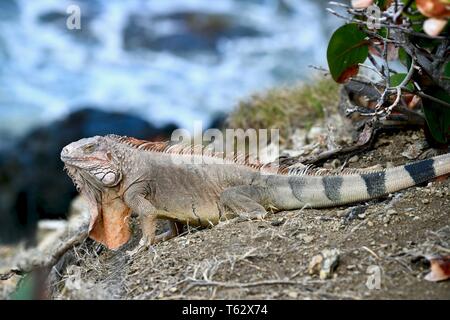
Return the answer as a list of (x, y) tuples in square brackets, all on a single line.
[(383, 4), (416, 18), (404, 58), (438, 116), (348, 48), (447, 70), (383, 32), (413, 5), (430, 44), (397, 78)]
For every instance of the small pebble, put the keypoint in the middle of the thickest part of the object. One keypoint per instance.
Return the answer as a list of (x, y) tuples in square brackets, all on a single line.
[(277, 222), (336, 163), (308, 239), (353, 159)]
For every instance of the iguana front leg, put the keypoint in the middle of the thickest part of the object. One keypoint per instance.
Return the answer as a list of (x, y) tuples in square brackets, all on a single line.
[(135, 199)]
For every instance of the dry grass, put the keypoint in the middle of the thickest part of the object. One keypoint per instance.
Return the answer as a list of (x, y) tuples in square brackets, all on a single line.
[(286, 108)]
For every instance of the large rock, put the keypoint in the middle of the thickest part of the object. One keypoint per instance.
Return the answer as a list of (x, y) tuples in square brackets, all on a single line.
[(89, 12), (32, 182), (192, 31), (9, 10)]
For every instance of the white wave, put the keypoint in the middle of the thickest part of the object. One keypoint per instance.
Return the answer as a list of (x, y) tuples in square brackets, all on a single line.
[(48, 69)]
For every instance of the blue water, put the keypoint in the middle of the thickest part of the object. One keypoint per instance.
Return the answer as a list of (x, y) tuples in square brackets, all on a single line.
[(47, 71)]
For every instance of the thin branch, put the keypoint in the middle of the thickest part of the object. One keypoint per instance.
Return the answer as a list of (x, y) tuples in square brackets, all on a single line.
[(409, 74), (339, 4), (373, 69), (385, 60), (381, 38), (319, 68), (387, 26), (407, 5), (398, 89), (417, 91), (203, 283), (426, 96), (374, 63)]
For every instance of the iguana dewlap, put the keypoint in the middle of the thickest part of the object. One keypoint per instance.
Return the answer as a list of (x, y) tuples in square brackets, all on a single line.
[(156, 181)]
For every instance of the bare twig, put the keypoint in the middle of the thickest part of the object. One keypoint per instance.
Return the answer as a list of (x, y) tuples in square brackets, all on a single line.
[(386, 62), (374, 69), (200, 283), (427, 96), (319, 68), (399, 88), (371, 252), (36, 259), (375, 64)]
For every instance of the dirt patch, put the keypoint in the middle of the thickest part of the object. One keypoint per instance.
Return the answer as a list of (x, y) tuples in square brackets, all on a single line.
[(269, 259)]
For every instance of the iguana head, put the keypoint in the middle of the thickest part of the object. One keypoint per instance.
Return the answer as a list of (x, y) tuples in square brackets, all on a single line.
[(93, 165), (92, 161)]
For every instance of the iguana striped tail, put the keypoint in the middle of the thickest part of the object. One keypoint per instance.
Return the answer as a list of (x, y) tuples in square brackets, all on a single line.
[(317, 191)]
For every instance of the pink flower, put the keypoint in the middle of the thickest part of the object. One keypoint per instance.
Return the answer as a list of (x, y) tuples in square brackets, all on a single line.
[(361, 4)]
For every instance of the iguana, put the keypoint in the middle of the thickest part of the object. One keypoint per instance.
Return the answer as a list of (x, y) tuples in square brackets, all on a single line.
[(157, 180)]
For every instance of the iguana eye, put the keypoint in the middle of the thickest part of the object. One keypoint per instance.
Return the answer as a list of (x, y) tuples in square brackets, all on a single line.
[(89, 148)]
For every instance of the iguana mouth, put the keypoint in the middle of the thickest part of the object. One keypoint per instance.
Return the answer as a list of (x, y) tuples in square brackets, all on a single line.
[(85, 160)]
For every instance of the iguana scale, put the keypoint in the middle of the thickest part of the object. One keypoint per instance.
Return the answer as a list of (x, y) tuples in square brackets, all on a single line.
[(118, 175)]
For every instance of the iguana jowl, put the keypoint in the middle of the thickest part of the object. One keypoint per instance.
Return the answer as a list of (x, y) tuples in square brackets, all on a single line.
[(117, 174)]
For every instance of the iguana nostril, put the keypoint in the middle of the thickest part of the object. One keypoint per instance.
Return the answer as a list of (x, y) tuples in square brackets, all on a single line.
[(64, 151)]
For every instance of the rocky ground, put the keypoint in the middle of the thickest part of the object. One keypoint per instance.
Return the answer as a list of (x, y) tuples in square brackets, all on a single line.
[(382, 242), (375, 250)]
